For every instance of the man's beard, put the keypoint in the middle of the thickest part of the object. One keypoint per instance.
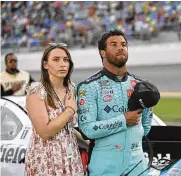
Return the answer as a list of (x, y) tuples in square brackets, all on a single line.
[(116, 62), (13, 70)]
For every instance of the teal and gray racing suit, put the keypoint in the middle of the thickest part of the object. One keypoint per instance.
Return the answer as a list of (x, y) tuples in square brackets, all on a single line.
[(102, 102)]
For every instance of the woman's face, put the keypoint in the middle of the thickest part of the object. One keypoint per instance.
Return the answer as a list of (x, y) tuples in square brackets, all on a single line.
[(58, 63)]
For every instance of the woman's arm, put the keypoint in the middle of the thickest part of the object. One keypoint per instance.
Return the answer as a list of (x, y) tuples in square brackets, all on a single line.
[(40, 120), (81, 142)]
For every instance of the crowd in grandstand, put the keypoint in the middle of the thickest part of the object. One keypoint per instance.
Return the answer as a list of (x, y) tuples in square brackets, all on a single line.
[(35, 23)]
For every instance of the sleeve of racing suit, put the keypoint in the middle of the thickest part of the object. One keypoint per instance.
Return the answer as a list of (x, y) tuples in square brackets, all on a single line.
[(87, 115), (146, 120)]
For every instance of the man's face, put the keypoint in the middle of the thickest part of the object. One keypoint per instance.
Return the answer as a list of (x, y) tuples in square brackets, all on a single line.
[(116, 51), (11, 63)]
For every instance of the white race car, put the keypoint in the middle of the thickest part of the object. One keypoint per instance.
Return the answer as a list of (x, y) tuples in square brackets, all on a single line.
[(16, 129)]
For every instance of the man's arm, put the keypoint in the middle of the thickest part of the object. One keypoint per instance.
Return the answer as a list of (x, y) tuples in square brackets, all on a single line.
[(16, 86), (147, 120), (88, 112), (6, 93)]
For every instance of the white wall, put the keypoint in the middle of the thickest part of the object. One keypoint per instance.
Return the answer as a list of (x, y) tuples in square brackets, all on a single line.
[(83, 58)]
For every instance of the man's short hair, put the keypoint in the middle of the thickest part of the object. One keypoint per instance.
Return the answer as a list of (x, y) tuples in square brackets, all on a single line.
[(105, 36), (9, 54)]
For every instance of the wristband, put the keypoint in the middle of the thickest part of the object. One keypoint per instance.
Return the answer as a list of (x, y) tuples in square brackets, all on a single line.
[(71, 108)]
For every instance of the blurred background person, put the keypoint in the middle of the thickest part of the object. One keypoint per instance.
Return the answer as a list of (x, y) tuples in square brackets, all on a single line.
[(13, 80)]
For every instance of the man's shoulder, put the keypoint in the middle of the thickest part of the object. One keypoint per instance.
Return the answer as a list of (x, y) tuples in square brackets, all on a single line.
[(23, 71), (93, 78), (133, 76), (3, 72)]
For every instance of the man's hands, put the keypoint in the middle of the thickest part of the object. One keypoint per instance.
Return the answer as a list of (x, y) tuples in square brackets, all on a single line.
[(133, 117), (16, 86)]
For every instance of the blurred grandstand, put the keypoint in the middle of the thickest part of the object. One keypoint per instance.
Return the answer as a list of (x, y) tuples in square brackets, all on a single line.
[(31, 25)]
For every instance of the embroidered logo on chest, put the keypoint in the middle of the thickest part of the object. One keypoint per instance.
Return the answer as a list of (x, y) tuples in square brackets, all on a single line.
[(107, 98), (133, 83)]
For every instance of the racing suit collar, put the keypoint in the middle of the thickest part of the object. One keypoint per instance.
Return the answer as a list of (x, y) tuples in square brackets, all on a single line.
[(115, 77)]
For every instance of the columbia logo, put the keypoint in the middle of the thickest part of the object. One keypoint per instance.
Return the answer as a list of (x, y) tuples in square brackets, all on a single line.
[(95, 127), (107, 109)]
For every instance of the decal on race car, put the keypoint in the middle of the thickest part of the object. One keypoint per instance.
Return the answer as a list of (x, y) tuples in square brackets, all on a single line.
[(158, 157), (13, 154), (24, 134)]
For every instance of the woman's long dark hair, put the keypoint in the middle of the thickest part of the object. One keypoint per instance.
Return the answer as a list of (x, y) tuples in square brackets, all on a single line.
[(45, 80)]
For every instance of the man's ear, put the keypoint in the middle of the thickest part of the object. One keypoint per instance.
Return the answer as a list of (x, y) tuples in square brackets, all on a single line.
[(102, 53)]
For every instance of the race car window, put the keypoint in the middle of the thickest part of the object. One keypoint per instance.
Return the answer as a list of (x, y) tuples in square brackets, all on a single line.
[(10, 124)]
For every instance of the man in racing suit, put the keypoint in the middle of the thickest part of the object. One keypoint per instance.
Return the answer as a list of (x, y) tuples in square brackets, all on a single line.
[(104, 116)]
